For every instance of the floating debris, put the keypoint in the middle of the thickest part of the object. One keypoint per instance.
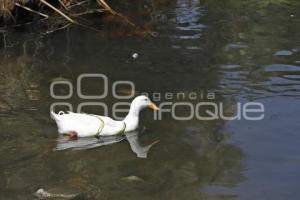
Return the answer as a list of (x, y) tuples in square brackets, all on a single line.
[(135, 55), (43, 194)]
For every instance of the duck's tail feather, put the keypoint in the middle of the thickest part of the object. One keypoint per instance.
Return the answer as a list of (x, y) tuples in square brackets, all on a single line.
[(56, 116)]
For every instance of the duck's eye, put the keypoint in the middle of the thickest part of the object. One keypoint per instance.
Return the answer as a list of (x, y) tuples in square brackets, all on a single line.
[(146, 99)]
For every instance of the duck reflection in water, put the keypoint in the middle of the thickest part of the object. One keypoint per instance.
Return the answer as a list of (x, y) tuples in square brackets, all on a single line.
[(133, 138)]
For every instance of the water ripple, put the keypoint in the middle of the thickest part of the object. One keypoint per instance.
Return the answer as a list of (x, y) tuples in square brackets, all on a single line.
[(273, 79)]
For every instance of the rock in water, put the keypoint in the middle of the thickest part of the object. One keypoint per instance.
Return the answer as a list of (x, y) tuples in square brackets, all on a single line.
[(133, 179)]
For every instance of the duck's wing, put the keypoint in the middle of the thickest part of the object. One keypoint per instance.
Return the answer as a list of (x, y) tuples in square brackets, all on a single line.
[(84, 125), (111, 127)]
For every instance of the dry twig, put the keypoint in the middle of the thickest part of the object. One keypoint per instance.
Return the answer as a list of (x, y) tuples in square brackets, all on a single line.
[(30, 10), (112, 11), (58, 11)]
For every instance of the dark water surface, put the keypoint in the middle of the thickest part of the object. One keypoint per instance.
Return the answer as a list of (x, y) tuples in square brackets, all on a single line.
[(242, 51)]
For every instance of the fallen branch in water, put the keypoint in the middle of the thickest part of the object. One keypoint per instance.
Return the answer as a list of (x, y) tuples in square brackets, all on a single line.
[(88, 12), (60, 28), (63, 5), (30, 10), (58, 11), (106, 6), (67, 17), (78, 4), (113, 12), (70, 10)]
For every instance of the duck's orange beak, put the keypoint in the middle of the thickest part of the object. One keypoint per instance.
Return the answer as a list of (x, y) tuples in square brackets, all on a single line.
[(153, 106)]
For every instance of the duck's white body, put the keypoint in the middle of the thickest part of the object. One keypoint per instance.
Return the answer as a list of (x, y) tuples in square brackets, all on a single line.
[(87, 125)]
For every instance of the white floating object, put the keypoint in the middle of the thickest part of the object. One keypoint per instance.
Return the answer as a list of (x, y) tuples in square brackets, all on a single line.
[(135, 55)]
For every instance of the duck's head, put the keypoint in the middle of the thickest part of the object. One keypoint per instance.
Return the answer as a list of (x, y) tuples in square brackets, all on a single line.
[(141, 102)]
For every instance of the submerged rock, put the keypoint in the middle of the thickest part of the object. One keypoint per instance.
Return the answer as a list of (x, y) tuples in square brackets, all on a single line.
[(132, 179)]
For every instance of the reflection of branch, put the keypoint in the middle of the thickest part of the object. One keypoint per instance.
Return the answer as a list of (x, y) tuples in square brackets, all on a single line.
[(63, 5), (106, 6), (60, 28), (78, 4), (216, 175), (66, 17), (58, 11), (6, 42), (30, 10), (88, 12)]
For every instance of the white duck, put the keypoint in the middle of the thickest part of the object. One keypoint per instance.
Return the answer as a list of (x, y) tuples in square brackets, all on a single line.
[(87, 125)]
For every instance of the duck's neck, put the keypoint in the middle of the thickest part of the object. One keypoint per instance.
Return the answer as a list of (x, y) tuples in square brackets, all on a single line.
[(132, 118)]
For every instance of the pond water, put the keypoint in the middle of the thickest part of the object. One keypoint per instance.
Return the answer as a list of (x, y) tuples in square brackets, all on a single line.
[(241, 52)]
